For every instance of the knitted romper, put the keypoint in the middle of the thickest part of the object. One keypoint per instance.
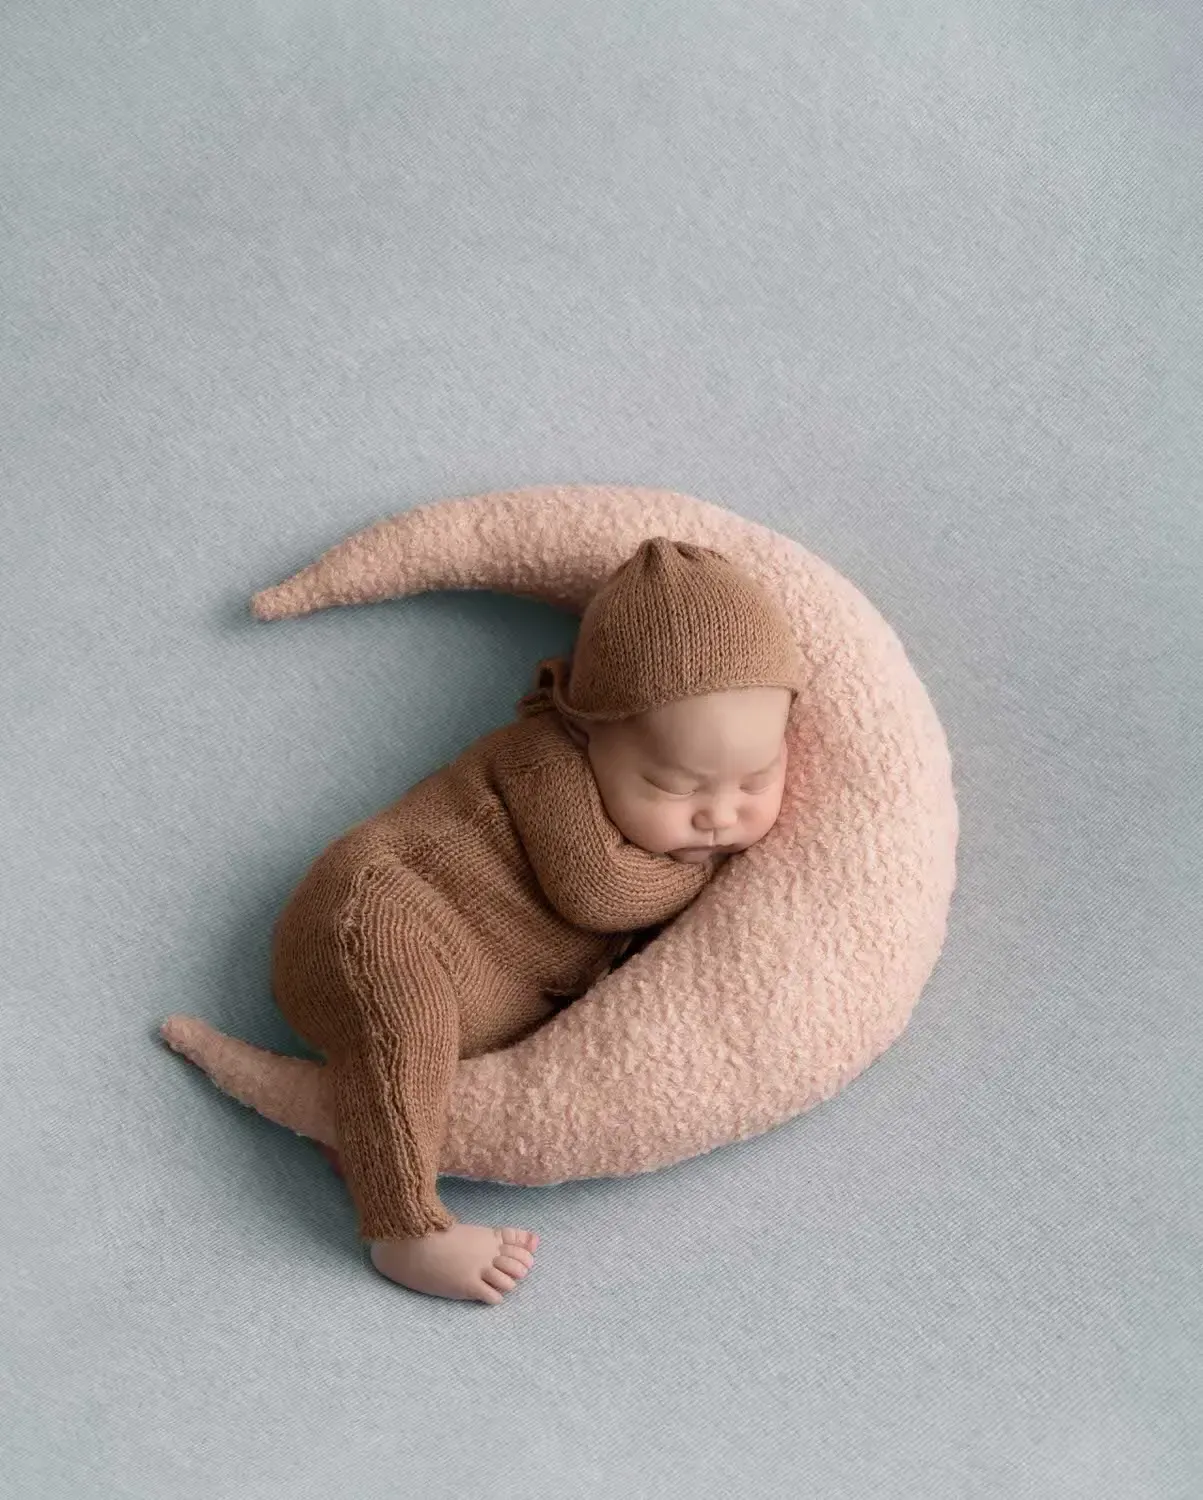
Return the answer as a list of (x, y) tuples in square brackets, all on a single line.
[(459, 919), (451, 924)]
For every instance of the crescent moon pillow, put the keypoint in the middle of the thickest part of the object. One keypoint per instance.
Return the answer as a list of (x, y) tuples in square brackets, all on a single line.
[(794, 969)]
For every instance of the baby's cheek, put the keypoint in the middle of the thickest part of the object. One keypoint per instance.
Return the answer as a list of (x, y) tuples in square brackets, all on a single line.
[(676, 826), (668, 817), (771, 811)]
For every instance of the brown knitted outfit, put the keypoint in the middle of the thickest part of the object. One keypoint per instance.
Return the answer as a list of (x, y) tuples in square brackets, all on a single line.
[(460, 918)]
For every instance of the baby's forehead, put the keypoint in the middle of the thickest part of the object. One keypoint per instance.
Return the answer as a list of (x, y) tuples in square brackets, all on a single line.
[(723, 747)]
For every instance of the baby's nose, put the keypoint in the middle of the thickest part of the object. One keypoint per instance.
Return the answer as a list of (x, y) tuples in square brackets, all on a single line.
[(716, 817)]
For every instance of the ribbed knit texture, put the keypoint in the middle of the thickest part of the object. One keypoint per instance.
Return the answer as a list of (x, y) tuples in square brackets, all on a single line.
[(451, 924), (674, 621)]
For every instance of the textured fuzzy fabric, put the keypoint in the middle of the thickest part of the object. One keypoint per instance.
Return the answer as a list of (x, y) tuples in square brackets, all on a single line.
[(795, 968)]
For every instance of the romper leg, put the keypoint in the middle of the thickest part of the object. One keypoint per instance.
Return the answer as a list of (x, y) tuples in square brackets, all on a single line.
[(384, 1011)]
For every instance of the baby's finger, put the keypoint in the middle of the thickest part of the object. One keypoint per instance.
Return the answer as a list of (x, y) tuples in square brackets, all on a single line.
[(497, 1278)]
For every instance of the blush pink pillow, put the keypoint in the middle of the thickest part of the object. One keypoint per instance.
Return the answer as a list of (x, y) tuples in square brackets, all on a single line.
[(793, 970)]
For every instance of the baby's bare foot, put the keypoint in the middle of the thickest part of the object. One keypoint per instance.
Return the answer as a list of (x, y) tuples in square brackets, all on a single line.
[(471, 1262)]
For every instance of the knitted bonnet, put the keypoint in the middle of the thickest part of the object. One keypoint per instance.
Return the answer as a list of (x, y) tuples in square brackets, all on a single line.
[(674, 621)]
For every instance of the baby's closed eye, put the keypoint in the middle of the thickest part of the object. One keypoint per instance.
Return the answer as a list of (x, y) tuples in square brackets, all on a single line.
[(670, 791), (757, 784)]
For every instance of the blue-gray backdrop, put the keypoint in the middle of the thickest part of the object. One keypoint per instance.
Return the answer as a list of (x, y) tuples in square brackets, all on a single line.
[(915, 283)]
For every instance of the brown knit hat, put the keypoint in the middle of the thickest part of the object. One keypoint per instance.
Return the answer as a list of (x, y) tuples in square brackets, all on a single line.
[(674, 621)]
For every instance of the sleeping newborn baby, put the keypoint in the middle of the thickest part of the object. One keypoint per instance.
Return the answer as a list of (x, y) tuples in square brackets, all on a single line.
[(459, 919)]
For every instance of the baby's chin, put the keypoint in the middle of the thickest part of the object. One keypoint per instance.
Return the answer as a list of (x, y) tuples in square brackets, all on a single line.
[(697, 856)]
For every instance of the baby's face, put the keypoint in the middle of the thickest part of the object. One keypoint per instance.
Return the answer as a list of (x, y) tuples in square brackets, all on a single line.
[(696, 779)]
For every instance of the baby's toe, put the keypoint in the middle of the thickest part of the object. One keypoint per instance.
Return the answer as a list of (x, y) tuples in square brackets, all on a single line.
[(512, 1265), (524, 1239), (495, 1278)]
